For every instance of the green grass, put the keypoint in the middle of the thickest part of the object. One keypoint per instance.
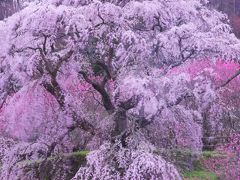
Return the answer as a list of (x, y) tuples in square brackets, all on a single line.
[(200, 174)]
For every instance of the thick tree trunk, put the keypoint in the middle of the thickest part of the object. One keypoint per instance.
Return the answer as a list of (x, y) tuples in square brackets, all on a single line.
[(209, 141), (120, 120), (119, 132)]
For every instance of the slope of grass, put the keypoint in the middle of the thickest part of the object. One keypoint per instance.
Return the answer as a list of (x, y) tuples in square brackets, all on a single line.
[(200, 172), (200, 175)]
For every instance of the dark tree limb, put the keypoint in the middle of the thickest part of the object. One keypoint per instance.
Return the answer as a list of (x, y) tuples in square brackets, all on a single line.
[(130, 103), (229, 80), (99, 87)]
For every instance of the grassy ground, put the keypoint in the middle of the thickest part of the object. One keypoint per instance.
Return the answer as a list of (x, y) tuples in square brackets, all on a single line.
[(200, 172), (200, 175)]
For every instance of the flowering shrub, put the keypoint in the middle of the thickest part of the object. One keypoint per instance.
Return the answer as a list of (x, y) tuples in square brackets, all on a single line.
[(126, 164), (5, 145)]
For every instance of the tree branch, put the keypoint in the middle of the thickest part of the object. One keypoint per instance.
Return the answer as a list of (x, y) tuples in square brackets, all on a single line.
[(229, 80), (107, 103)]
